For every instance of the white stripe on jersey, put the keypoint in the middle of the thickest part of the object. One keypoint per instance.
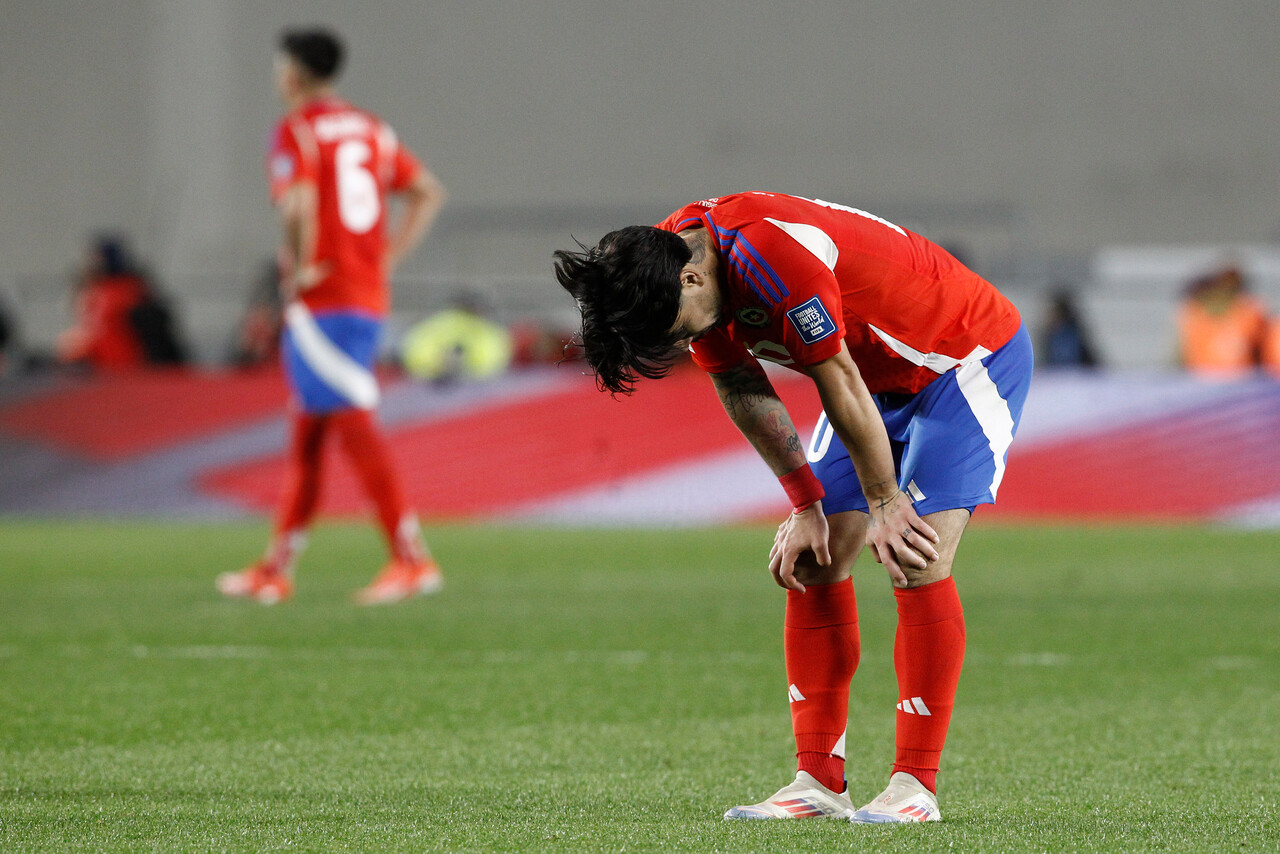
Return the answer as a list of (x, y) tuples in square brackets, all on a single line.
[(936, 362), (812, 238)]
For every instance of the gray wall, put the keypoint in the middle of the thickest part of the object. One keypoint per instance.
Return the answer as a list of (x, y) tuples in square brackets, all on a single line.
[(1084, 124)]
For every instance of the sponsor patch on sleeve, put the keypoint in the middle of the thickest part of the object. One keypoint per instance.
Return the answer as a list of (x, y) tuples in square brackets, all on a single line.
[(812, 321)]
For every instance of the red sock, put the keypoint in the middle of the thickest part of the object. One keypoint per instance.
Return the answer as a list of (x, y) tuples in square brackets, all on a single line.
[(301, 490), (369, 453), (822, 648), (927, 654)]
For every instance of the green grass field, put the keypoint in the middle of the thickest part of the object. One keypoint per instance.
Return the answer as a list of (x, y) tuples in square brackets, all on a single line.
[(617, 691)]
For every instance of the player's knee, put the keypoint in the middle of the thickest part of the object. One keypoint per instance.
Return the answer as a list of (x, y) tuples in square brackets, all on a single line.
[(809, 571), (936, 571), (820, 574)]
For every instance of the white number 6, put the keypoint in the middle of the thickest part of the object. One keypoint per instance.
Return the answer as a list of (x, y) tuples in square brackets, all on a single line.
[(358, 204)]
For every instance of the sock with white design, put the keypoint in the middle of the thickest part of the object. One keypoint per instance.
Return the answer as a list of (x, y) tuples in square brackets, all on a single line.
[(927, 655), (370, 455), (822, 648), (285, 549)]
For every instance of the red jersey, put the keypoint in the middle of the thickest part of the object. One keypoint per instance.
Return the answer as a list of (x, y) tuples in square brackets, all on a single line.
[(801, 275), (355, 161), (105, 336)]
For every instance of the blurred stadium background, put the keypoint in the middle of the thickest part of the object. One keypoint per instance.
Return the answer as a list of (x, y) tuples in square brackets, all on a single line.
[(1097, 147)]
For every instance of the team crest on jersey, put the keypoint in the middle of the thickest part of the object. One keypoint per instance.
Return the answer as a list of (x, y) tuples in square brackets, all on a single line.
[(812, 321), (753, 316)]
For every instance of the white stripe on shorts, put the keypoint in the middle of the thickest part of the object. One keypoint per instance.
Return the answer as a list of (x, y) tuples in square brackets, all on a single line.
[(821, 439), (343, 374), (991, 411)]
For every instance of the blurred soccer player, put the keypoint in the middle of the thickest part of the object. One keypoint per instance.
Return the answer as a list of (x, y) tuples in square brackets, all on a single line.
[(922, 368), (332, 170)]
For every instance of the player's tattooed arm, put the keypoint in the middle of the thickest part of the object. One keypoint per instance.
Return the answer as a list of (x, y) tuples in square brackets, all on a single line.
[(742, 389), (751, 402)]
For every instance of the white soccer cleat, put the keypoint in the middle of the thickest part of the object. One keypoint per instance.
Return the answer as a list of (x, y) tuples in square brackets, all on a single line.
[(804, 798), (905, 800)]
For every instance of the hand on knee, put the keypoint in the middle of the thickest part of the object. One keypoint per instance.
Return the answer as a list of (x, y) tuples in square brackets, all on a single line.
[(808, 571)]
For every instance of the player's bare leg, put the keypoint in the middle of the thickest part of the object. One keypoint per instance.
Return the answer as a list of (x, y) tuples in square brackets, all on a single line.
[(928, 653)]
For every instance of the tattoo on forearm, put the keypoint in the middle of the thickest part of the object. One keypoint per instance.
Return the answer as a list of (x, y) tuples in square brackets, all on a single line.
[(782, 433), (742, 390), (752, 403)]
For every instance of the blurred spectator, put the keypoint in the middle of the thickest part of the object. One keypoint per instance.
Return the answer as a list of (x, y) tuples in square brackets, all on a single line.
[(1271, 348), (120, 320), (157, 329), (459, 342), (258, 335), (8, 336), (1064, 340), (1220, 325)]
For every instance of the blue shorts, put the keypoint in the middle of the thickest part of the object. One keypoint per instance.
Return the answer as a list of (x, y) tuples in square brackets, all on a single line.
[(329, 357), (950, 440)]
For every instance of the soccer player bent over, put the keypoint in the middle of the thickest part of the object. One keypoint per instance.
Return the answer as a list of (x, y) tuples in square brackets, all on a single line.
[(332, 170), (922, 368)]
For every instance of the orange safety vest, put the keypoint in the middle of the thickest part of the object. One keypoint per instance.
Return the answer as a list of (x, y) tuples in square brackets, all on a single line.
[(1271, 347), (1230, 342)]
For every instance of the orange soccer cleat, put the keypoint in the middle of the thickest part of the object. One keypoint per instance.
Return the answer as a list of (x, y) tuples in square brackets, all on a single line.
[(401, 580), (260, 582)]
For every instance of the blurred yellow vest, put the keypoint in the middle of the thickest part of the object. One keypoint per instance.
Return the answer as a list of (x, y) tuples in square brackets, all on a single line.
[(455, 344)]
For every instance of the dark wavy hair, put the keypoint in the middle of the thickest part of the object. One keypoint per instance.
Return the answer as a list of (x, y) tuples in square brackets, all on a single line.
[(628, 292), (317, 50)]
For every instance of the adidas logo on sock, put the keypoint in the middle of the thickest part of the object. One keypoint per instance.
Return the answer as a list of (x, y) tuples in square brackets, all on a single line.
[(793, 694), (919, 707)]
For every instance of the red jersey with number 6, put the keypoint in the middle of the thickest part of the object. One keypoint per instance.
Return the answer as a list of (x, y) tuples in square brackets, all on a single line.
[(355, 161), (802, 275)]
